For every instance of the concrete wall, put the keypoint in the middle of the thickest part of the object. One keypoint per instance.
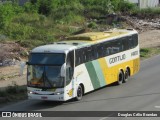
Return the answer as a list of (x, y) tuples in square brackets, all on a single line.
[(146, 3), (133, 1)]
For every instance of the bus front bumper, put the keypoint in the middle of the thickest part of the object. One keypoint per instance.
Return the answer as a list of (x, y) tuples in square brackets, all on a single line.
[(46, 97)]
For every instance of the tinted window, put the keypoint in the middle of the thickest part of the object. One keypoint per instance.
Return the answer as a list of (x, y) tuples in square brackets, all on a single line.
[(84, 55), (78, 57), (69, 67), (104, 49), (48, 59), (135, 39), (89, 54), (125, 43), (100, 51)]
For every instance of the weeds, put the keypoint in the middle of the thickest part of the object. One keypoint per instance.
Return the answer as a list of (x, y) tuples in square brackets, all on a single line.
[(45, 21), (148, 52), (13, 93), (144, 52)]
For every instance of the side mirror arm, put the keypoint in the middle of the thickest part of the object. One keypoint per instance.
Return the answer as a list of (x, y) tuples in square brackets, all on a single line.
[(63, 70)]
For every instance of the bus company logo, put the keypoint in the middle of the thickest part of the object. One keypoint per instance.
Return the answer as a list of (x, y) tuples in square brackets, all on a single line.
[(6, 114), (70, 93)]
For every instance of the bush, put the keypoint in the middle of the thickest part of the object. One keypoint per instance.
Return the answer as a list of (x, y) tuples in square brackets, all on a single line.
[(27, 19), (123, 6), (147, 12), (67, 12), (92, 25), (96, 8), (6, 14), (30, 7), (18, 31), (144, 52)]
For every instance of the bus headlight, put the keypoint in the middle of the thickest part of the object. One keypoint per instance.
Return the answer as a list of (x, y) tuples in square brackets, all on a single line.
[(58, 93), (31, 92)]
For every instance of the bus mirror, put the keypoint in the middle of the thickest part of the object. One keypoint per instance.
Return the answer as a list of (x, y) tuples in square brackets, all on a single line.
[(63, 70), (22, 67)]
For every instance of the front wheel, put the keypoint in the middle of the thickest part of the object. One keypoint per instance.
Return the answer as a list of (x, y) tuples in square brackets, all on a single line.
[(79, 93)]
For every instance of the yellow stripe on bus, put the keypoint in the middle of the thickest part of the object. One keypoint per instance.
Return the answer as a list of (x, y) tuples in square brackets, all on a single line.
[(105, 70), (111, 73)]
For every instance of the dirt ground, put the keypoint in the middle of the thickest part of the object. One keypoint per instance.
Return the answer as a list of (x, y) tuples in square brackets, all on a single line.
[(149, 39), (10, 75)]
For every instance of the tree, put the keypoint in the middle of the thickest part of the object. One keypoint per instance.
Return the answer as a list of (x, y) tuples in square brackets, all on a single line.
[(6, 14)]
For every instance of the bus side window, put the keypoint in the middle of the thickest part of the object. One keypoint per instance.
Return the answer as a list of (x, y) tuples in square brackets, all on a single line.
[(78, 57), (113, 48), (125, 43), (69, 66), (100, 51), (106, 49), (84, 55), (94, 52), (89, 54), (131, 42), (135, 39)]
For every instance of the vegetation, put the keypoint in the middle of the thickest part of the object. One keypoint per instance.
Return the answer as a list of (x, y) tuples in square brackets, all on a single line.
[(45, 21), (13, 93), (148, 52), (146, 12)]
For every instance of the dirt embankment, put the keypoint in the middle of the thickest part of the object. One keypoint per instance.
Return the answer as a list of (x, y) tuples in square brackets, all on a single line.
[(149, 36), (11, 73)]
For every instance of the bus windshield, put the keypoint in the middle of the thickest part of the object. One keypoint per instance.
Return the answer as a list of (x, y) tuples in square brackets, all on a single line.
[(44, 70), (47, 58), (45, 76)]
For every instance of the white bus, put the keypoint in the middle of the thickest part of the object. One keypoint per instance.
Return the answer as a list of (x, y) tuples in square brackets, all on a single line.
[(82, 63)]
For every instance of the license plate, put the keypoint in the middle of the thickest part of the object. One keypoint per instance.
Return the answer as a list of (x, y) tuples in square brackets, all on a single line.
[(44, 97)]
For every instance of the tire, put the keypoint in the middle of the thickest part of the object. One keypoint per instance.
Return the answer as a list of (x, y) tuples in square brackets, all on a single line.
[(120, 78), (126, 76), (79, 93)]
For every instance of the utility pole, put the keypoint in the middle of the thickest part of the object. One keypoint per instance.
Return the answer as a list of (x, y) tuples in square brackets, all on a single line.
[(139, 3)]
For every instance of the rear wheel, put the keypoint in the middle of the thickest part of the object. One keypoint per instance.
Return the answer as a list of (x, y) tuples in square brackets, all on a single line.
[(79, 93), (126, 75), (120, 78)]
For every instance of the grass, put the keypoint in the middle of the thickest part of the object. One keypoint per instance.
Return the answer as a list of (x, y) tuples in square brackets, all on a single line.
[(146, 12), (149, 52), (45, 22), (13, 94)]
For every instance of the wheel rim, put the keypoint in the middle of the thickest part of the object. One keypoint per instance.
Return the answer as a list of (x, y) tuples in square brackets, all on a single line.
[(79, 92), (126, 76), (120, 77)]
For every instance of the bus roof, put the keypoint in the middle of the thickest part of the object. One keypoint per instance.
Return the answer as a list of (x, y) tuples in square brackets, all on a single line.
[(85, 39), (53, 48)]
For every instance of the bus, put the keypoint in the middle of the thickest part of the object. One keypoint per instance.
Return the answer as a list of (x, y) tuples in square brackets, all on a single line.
[(82, 63)]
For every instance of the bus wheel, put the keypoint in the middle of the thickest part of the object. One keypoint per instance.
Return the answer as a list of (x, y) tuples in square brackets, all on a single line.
[(120, 78), (79, 93), (126, 75)]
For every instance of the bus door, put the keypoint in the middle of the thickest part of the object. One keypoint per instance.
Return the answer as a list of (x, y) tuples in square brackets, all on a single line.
[(70, 64)]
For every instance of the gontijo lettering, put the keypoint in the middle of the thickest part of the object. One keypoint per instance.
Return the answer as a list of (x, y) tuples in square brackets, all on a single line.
[(117, 58)]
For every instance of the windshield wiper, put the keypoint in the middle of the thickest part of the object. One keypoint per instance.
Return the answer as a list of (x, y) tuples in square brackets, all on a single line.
[(45, 78)]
